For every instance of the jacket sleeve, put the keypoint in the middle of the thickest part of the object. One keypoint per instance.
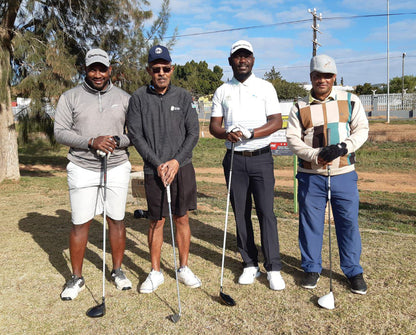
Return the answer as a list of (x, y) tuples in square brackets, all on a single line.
[(63, 131), (294, 138), (358, 125), (191, 129), (135, 132)]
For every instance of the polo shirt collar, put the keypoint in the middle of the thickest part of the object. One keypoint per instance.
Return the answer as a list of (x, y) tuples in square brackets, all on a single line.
[(246, 82), (331, 96)]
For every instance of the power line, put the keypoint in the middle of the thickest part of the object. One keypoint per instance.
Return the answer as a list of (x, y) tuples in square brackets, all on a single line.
[(289, 22)]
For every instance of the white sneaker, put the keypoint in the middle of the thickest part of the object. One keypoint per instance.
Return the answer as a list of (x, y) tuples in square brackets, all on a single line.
[(275, 280), (72, 288), (248, 275), (152, 282), (187, 277), (120, 280)]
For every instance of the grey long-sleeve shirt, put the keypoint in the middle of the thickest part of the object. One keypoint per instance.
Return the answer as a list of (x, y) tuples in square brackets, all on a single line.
[(162, 127), (83, 113)]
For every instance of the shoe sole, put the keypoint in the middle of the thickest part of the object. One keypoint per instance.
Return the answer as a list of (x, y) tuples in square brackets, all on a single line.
[(145, 291), (358, 292), (192, 286), (69, 298)]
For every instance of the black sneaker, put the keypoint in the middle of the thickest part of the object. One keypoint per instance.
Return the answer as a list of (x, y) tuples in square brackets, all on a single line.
[(310, 279), (358, 284)]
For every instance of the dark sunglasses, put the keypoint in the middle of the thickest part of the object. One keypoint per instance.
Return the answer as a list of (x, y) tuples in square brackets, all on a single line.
[(166, 69)]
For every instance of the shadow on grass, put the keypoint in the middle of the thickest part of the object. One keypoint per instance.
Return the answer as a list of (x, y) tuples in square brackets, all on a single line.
[(51, 233)]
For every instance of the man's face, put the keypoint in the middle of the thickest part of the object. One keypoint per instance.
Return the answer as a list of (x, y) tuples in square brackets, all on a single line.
[(241, 62), (98, 76), (161, 72), (322, 84)]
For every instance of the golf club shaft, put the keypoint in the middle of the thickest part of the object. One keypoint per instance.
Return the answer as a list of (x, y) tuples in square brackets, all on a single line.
[(104, 219), (328, 167), (173, 245), (226, 212)]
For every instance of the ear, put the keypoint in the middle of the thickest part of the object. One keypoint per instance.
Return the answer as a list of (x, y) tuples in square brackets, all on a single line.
[(229, 61), (148, 70), (109, 70)]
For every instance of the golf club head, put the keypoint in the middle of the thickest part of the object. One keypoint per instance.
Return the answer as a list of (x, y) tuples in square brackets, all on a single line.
[(227, 300), (327, 301), (96, 311), (175, 318)]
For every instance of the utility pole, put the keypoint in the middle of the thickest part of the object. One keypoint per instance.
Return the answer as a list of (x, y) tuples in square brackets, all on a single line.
[(404, 55), (315, 29)]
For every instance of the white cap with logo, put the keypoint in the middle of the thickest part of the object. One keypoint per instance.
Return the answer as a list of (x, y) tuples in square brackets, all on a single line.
[(323, 64), (241, 44), (97, 56)]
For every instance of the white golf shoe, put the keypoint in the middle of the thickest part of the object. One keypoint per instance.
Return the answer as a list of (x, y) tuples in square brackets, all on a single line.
[(152, 282), (120, 280), (275, 280), (249, 274), (187, 277), (72, 287)]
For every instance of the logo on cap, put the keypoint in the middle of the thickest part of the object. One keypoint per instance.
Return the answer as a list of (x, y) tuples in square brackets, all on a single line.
[(158, 51)]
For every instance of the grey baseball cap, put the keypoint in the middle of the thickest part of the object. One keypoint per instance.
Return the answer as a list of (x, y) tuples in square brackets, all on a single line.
[(323, 64), (97, 56)]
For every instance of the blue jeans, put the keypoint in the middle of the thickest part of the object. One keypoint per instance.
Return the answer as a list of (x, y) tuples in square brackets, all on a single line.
[(312, 197)]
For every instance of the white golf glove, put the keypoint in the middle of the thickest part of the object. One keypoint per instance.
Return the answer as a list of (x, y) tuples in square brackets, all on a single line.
[(232, 128), (246, 133)]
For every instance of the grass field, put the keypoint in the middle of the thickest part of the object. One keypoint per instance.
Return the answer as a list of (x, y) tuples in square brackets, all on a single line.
[(34, 228)]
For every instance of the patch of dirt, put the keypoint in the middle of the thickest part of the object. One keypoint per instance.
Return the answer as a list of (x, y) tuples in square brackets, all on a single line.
[(368, 181), (380, 132)]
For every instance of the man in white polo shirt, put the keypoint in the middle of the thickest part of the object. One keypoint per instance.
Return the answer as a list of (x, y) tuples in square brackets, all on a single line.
[(246, 111)]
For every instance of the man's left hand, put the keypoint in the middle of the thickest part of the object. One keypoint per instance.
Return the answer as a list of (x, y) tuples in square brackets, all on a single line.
[(167, 171), (331, 152)]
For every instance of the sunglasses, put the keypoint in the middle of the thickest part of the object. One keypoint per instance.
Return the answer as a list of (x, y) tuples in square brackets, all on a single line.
[(166, 69)]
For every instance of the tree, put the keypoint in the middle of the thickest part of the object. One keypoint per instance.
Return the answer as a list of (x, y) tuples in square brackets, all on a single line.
[(43, 44), (367, 88), (197, 78), (285, 90), (396, 84)]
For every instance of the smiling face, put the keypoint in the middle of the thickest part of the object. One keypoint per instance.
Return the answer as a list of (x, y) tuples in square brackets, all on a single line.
[(161, 72), (322, 84), (98, 76), (241, 62)]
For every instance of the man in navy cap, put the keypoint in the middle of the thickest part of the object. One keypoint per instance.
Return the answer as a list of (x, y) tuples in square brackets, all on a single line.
[(164, 128)]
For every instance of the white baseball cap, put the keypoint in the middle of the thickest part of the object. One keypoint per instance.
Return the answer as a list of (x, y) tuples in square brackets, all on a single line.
[(323, 64), (241, 44), (97, 56)]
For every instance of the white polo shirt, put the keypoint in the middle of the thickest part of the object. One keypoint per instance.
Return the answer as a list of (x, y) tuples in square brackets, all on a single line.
[(248, 104)]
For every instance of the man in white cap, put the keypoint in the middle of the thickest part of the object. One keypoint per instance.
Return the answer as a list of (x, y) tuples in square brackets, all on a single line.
[(343, 114), (90, 119), (245, 112)]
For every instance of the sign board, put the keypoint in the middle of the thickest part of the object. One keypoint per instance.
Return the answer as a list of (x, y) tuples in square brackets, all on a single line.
[(279, 142)]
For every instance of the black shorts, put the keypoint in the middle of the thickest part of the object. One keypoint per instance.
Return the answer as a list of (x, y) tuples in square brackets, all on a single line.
[(182, 189)]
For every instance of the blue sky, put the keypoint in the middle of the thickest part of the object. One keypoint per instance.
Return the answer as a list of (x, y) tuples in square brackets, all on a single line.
[(359, 45)]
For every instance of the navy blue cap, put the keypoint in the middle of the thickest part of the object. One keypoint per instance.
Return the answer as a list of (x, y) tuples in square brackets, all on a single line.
[(159, 52)]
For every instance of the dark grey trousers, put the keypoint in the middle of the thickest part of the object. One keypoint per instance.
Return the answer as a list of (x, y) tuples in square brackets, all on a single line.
[(253, 178)]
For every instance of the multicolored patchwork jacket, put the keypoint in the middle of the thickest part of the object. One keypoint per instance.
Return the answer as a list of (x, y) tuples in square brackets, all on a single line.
[(341, 112)]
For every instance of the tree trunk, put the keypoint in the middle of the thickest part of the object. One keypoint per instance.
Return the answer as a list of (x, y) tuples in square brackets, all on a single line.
[(9, 159)]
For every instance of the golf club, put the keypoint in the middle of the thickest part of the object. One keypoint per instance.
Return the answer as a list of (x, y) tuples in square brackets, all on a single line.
[(99, 310), (327, 301), (225, 298), (175, 317)]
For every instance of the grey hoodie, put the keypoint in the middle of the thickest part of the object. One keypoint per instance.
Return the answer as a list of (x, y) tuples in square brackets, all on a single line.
[(83, 113)]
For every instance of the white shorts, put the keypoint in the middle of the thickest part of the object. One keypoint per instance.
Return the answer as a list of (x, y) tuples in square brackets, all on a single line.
[(86, 192)]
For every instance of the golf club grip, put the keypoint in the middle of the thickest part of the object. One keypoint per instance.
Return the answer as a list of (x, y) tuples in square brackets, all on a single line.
[(168, 193)]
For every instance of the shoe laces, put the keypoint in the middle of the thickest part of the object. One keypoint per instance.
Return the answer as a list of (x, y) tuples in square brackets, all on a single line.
[(73, 281), (119, 273)]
